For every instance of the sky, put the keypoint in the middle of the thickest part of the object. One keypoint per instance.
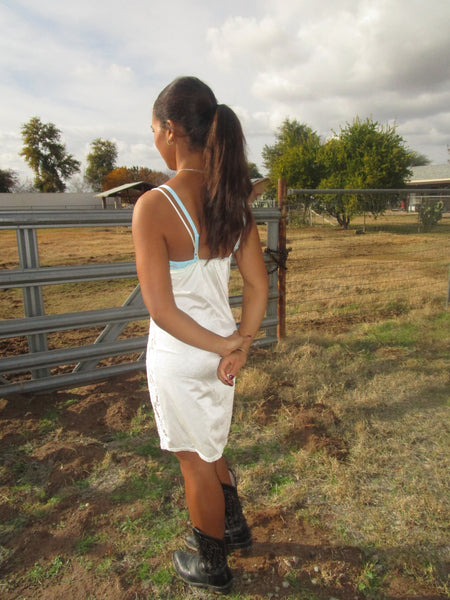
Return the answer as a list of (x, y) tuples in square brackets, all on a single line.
[(95, 67)]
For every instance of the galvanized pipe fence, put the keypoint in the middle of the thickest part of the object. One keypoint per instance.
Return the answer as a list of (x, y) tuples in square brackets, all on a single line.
[(38, 370), (42, 368)]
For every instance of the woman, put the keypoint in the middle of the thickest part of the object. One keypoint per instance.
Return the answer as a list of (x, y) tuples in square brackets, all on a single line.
[(185, 233)]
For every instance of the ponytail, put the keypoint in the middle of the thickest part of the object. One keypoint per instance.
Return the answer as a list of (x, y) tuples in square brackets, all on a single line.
[(215, 130), (226, 214)]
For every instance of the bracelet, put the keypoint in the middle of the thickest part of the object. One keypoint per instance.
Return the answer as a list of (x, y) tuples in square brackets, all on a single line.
[(242, 350)]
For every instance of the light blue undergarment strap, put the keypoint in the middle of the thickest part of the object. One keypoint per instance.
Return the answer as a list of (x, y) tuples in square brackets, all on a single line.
[(238, 243), (179, 205)]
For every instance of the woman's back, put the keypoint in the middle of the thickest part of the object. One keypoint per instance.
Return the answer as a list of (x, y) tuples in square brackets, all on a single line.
[(188, 187)]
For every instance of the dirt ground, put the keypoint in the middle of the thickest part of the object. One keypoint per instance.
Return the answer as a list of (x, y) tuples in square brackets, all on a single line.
[(283, 544)]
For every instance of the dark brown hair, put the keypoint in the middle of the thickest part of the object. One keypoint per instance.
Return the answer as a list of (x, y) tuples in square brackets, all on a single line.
[(214, 129)]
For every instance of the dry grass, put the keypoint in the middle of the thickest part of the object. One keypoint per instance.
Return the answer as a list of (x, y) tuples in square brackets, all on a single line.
[(336, 278), (345, 423), (374, 469)]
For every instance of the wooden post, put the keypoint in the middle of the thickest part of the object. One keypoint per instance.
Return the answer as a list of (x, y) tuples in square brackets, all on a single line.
[(282, 194)]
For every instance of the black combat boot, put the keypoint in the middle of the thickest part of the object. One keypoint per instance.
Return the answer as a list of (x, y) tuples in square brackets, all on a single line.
[(208, 568), (237, 532)]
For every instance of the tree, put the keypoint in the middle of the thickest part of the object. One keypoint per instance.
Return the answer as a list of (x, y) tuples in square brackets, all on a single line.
[(364, 155), (253, 171), (293, 157), (123, 175), (79, 185), (46, 154), (118, 176), (100, 161), (419, 160), (147, 175), (8, 180)]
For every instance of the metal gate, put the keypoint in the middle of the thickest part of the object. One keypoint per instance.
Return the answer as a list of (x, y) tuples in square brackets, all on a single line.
[(32, 371)]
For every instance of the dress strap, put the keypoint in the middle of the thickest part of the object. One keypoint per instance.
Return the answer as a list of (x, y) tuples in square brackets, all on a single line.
[(178, 205)]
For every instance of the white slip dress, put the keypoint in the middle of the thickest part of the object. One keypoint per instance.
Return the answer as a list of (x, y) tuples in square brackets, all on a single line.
[(192, 407)]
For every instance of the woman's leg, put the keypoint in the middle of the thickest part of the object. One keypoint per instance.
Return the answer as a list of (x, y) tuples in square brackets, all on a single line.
[(204, 493), (222, 471)]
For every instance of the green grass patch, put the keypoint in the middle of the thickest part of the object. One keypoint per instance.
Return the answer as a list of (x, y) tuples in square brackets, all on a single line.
[(86, 544), (40, 571), (392, 333), (150, 487)]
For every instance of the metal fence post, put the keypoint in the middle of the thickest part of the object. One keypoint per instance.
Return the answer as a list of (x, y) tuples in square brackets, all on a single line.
[(32, 296), (282, 195), (272, 304), (448, 290)]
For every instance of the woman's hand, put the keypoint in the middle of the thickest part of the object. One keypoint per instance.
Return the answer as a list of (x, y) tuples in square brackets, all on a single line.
[(231, 343), (230, 365)]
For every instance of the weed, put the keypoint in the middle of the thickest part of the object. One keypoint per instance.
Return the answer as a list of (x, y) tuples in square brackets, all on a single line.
[(162, 576), (50, 421), (130, 525), (142, 420), (150, 449), (39, 572), (85, 544), (13, 526), (5, 554), (104, 567), (293, 581), (82, 484), (67, 403), (279, 480), (369, 580)]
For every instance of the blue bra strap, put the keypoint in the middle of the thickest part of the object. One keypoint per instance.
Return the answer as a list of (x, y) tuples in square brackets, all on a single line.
[(185, 212)]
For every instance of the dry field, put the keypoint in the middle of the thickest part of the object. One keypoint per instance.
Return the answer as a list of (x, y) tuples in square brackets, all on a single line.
[(340, 438)]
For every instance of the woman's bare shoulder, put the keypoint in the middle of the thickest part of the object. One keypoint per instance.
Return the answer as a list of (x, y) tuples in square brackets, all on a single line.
[(151, 203)]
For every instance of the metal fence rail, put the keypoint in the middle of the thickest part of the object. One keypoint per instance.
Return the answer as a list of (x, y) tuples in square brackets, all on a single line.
[(15, 371)]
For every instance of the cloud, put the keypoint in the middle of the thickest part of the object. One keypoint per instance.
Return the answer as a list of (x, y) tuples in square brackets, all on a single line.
[(257, 40), (95, 68), (386, 60)]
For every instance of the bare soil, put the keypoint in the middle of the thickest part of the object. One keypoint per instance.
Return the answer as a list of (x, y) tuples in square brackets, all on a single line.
[(289, 558)]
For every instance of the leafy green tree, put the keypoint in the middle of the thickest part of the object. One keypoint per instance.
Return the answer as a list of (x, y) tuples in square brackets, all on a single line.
[(253, 171), (365, 155), (46, 154), (293, 157), (8, 180), (101, 160), (419, 160)]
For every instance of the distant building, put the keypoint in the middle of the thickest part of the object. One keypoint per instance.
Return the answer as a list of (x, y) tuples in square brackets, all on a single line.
[(125, 194), (55, 201), (259, 187), (112, 198), (429, 177)]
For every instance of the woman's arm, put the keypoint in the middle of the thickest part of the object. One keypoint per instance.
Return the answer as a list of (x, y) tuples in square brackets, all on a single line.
[(152, 263), (253, 270), (250, 261)]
